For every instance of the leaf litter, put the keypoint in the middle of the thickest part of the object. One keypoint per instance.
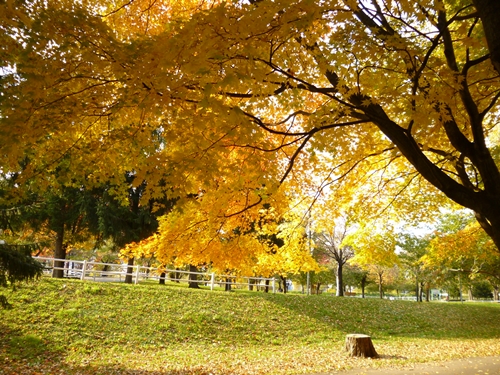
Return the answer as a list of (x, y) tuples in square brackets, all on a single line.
[(151, 329)]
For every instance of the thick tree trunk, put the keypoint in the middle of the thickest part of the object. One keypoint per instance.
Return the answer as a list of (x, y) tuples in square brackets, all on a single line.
[(360, 346), (266, 289), (130, 271), (162, 278), (59, 253), (340, 282), (484, 203), (489, 11), (193, 277), (227, 285)]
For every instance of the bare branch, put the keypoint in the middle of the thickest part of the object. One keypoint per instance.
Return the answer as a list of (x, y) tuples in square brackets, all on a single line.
[(294, 156), (491, 105), (244, 209)]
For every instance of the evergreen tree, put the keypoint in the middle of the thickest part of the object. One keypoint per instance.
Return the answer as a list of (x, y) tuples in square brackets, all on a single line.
[(16, 265)]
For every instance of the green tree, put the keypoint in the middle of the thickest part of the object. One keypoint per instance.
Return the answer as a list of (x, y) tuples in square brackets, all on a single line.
[(130, 219), (413, 248), (356, 276), (16, 265)]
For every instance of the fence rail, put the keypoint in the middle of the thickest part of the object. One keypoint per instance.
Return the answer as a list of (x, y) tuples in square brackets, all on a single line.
[(98, 271)]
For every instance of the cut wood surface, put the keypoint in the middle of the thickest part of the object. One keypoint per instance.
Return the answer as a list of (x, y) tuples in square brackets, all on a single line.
[(359, 345)]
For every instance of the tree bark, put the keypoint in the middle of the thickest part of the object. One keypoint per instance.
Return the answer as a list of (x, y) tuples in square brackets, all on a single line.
[(340, 283), (358, 345), (227, 285), (363, 284), (380, 288), (162, 278), (489, 11), (130, 270), (59, 253), (484, 202), (284, 284), (193, 284)]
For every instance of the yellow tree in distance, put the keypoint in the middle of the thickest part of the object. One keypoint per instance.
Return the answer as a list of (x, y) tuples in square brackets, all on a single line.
[(374, 251), (467, 249)]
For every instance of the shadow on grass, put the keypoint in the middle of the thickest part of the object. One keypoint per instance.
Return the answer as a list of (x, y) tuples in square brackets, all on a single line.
[(16, 346), (49, 367), (385, 319)]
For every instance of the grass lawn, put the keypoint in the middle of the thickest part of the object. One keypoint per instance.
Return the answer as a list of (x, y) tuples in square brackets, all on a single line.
[(75, 327)]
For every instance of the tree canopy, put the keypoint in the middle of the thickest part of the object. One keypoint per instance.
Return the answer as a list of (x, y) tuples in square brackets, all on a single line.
[(380, 103)]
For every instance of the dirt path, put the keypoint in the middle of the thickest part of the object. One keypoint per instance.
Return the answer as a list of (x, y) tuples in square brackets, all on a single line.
[(466, 366)]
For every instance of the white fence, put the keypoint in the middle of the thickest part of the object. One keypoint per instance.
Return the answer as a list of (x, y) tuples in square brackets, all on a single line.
[(97, 271)]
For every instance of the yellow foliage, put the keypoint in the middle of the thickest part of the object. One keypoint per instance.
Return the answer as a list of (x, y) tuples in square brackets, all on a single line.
[(373, 247), (259, 242), (227, 106), (469, 248)]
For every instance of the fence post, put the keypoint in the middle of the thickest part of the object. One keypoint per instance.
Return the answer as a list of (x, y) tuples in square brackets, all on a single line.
[(274, 285), (212, 281), (137, 274), (84, 269)]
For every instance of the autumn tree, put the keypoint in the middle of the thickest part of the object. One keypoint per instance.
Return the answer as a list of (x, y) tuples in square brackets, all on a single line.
[(413, 249), (374, 250), (275, 247), (459, 244), (395, 98), (329, 241)]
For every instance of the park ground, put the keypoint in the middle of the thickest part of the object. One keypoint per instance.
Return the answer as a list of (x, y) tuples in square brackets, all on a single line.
[(464, 366), (75, 327)]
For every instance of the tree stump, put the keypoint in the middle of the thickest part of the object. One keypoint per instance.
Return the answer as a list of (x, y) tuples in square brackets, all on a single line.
[(358, 345)]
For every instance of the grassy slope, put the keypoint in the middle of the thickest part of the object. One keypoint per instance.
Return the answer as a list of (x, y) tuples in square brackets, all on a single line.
[(88, 328)]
